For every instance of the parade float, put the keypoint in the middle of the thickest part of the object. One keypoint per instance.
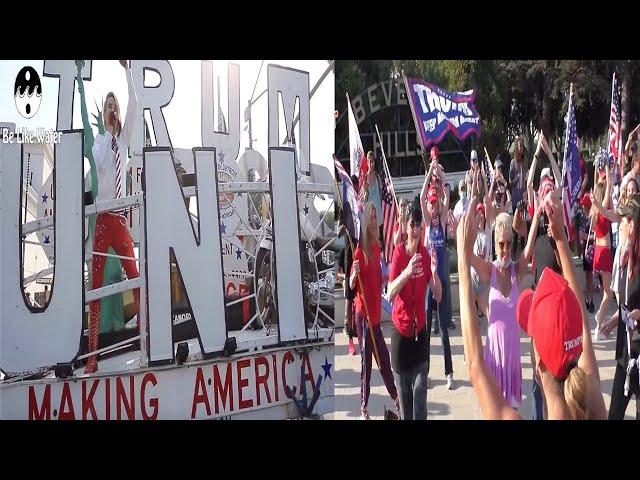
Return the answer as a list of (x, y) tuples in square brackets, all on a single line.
[(235, 262)]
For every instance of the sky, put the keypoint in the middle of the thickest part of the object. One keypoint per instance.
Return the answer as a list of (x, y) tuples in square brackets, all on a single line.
[(183, 112)]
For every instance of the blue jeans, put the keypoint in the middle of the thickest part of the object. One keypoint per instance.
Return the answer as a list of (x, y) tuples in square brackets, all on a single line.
[(537, 401), (444, 318), (413, 392)]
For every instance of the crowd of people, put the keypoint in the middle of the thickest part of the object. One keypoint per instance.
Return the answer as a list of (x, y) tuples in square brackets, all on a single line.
[(505, 229)]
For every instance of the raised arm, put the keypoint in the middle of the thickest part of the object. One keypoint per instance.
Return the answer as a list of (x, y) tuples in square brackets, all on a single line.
[(610, 215), (630, 139), (508, 203), (86, 125), (132, 106), (492, 403), (525, 258), (489, 209), (607, 192), (427, 177), (426, 216), (554, 166), (587, 360)]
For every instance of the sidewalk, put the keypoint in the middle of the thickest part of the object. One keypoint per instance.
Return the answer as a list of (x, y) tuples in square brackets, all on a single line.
[(443, 404)]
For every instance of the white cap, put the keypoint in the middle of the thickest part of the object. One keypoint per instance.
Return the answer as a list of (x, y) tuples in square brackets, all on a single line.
[(474, 155), (546, 172)]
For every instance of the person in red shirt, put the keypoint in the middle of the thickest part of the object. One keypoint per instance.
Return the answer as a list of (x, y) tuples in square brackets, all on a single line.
[(366, 279), (412, 269), (601, 221)]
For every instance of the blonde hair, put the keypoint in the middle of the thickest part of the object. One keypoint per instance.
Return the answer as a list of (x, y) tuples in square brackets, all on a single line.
[(503, 224), (575, 393), (366, 240)]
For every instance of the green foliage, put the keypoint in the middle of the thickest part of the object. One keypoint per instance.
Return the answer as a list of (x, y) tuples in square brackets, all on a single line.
[(512, 96)]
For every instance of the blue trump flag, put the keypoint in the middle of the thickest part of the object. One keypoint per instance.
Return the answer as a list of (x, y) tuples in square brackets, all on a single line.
[(571, 164), (437, 111)]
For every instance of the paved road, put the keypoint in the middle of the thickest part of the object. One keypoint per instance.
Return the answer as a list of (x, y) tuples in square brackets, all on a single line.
[(444, 404)]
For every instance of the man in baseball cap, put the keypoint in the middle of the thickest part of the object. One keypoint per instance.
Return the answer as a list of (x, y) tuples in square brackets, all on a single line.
[(545, 173), (473, 175), (553, 318)]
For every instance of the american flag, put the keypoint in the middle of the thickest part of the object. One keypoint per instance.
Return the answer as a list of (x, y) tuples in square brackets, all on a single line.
[(570, 168), (614, 145), (350, 202), (387, 196)]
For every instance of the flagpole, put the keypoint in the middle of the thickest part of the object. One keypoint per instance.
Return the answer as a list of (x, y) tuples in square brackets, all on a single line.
[(366, 308), (566, 136), (489, 161), (493, 172), (351, 166), (415, 122), (386, 167), (613, 82)]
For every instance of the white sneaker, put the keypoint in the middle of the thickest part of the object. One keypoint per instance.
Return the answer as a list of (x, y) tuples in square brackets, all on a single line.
[(450, 381)]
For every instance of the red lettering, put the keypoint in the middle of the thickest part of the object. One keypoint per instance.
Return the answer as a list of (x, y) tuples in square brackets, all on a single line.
[(275, 376), (200, 394), (45, 408), (129, 404), (153, 402), (223, 391), (262, 379), (107, 398), (243, 383), (287, 358), (87, 401), (308, 376), (66, 404)]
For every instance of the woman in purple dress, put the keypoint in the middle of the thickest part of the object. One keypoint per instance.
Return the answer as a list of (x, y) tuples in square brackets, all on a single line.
[(502, 351)]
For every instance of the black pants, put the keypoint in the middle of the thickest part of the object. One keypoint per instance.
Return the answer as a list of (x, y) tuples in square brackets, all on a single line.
[(619, 401)]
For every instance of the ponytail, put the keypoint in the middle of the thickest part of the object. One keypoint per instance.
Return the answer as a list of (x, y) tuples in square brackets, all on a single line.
[(575, 393)]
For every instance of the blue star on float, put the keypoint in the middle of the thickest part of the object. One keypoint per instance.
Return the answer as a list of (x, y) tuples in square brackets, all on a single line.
[(306, 209), (238, 254), (221, 155), (327, 368), (44, 198), (223, 228), (46, 239)]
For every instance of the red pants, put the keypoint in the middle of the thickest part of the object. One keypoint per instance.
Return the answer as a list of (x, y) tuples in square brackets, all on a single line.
[(111, 231)]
